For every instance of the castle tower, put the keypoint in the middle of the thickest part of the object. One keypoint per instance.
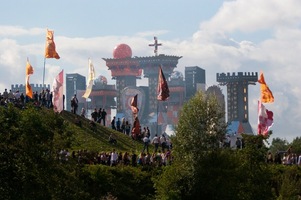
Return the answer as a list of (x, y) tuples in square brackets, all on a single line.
[(124, 69), (150, 66), (237, 96)]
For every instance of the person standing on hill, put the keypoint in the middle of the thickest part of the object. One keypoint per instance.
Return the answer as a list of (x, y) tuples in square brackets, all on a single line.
[(146, 143), (94, 115), (103, 116), (127, 128), (74, 104), (99, 115), (113, 123), (118, 124), (156, 142), (83, 112), (123, 125)]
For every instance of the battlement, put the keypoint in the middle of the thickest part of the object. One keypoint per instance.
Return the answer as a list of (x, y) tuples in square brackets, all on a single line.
[(34, 86), (251, 77)]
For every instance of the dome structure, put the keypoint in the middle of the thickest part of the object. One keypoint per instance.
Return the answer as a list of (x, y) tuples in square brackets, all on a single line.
[(101, 80), (122, 51), (176, 75)]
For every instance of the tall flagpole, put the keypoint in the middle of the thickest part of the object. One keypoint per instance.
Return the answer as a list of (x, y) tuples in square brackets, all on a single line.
[(44, 71), (157, 117)]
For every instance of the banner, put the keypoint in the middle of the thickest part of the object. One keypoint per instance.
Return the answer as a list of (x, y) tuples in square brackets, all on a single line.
[(163, 90), (90, 80), (58, 92)]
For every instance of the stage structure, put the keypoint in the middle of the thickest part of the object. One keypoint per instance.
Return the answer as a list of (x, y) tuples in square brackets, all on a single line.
[(126, 69), (102, 96), (176, 100), (237, 96)]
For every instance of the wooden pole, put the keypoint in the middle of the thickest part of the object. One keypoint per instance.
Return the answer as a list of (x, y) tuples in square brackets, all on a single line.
[(44, 72)]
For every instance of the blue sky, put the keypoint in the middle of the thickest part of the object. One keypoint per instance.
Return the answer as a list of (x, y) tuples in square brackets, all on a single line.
[(219, 36)]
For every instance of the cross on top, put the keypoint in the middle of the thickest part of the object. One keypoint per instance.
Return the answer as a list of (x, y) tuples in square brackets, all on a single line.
[(156, 44)]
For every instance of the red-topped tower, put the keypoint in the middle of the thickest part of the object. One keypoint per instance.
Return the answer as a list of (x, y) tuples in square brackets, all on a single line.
[(124, 69)]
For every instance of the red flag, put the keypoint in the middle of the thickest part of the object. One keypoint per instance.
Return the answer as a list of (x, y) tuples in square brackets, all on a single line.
[(163, 91), (136, 128), (29, 70), (266, 94), (265, 119), (134, 104), (50, 51), (57, 86)]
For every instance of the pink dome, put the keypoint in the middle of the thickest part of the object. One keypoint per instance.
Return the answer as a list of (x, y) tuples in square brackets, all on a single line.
[(122, 51)]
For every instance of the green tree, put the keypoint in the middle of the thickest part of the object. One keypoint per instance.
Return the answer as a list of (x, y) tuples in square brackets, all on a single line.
[(253, 172), (28, 165), (200, 129), (296, 145), (278, 144)]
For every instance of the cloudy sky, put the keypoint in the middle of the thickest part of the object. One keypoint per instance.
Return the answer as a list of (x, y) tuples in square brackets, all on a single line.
[(219, 36)]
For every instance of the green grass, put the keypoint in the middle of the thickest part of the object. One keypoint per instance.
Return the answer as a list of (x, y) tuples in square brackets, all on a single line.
[(98, 140)]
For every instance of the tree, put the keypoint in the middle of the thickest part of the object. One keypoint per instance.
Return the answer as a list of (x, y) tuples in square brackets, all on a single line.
[(296, 145), (279, 144), (28, 161), (199, 132)]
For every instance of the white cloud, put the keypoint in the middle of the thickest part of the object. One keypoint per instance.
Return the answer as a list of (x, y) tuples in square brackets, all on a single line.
[(9, 31), (214, 47), (255, 15)]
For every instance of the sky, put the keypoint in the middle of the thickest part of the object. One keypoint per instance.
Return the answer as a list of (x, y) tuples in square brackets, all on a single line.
[(218, 36)]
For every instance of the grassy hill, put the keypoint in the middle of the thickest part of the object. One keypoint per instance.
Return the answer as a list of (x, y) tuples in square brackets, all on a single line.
[(31, 168), (97, 139)]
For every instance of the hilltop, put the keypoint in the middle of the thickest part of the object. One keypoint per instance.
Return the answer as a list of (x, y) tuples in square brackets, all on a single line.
[(97, 139), (32, 167)]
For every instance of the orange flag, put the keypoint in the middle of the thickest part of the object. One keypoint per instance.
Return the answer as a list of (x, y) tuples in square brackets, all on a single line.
[(50, 51), (29, 70), (266, 94)]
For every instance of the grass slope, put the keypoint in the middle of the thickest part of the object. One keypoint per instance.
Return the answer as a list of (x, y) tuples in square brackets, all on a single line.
[(98, 140)]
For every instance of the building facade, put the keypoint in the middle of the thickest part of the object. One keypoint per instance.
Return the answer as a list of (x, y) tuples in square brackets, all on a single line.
[(237, 96), (75, 84), (195, 79)]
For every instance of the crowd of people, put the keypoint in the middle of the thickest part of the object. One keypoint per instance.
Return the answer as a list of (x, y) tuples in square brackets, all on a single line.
[(284, 157), (41, 99), (114, 158)]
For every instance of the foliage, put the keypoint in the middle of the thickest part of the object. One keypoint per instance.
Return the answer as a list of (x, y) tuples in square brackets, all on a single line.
[(28, 153), (253, 172), (296, 145), (122, 182), (279, 144), (31, 138), (198, 135), (286, 181)]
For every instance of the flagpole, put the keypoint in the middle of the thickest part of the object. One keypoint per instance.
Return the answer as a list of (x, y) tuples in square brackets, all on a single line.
[(157, 117), (44, 71)]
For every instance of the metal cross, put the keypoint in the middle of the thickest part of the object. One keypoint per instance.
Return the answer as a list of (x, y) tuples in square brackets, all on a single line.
[(156, 44)]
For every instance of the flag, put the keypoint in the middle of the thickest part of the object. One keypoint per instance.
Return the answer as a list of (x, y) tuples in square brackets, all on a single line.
[(58, 92), (163, 91), (266, 94), (50, 51), (134, 104), (90, 80), (29, 70), (265, 119), (136, 128)]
